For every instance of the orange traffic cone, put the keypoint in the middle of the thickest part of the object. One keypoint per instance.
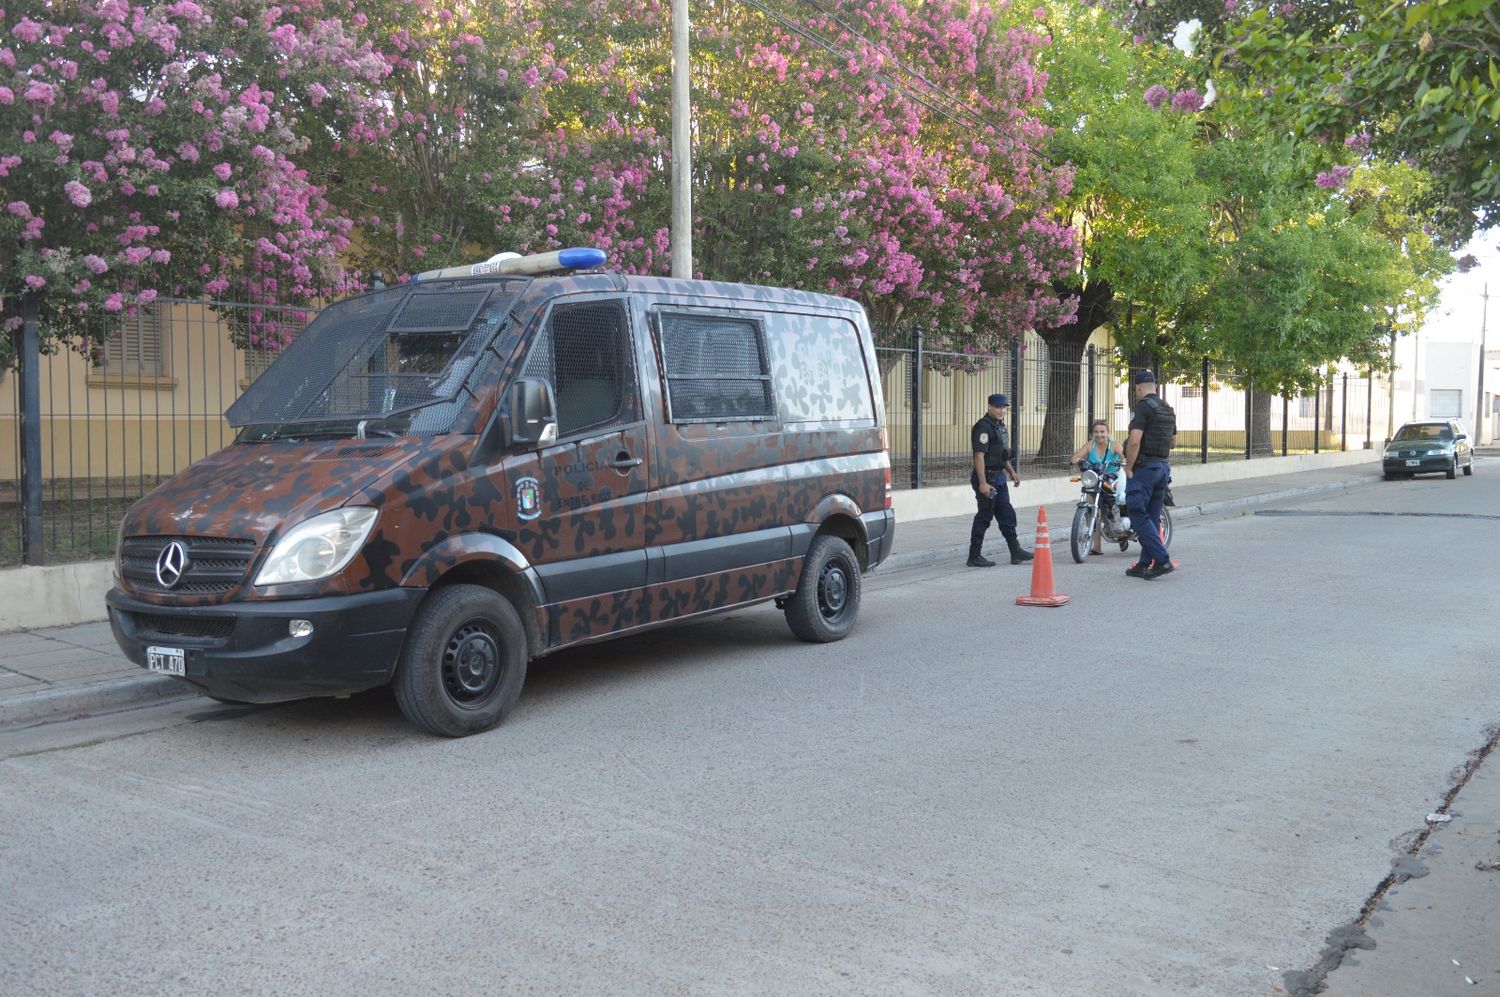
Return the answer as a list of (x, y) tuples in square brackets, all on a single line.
[(1042, 593)]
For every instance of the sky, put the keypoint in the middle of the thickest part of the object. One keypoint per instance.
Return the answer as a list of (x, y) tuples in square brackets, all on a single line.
[(1460, 313)]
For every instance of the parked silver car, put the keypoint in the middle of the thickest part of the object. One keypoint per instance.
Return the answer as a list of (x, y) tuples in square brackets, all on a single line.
[(1429, 446)]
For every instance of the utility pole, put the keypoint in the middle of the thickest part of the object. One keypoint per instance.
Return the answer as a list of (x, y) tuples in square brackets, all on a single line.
[(1416, 366), (1390, 409), (1484, 322), (682, 145)]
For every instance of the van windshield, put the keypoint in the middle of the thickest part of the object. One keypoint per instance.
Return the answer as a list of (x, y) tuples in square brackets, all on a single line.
[(387, 363)]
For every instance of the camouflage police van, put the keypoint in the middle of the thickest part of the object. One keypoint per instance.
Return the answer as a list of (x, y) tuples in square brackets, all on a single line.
[(437, 482)]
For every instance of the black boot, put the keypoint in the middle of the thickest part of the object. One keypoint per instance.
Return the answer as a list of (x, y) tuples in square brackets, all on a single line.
[(978, 560), (1017, 555)]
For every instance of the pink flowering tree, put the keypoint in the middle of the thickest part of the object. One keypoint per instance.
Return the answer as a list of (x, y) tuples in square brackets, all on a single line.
[(812, 168), (463, 84), (1141, 210), (153, 149)]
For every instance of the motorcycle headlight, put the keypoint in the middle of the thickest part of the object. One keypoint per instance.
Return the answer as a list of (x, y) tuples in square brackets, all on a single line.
[(318, 547), (1090, 479)]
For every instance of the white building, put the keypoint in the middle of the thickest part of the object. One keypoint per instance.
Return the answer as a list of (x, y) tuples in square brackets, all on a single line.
[(1437, 369)]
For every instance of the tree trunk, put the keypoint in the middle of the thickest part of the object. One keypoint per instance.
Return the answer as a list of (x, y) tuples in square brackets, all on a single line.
[(1260, 423), (1065, 345)]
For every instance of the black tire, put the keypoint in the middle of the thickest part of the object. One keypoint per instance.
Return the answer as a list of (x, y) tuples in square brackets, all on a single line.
[(827, 598), (464, 662), (1452, 471), (1389, 475), (1082, 534), (1166, 527), (1469, 467)]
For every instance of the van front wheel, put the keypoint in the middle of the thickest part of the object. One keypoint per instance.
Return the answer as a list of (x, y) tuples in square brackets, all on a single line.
[(827, 598), (464, 662)]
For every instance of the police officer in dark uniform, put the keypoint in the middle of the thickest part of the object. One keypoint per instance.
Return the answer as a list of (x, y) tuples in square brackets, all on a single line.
[(993, 463), (1153, 433)]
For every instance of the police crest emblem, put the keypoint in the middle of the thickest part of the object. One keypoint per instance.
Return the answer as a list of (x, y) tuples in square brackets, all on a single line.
[(528, 498)]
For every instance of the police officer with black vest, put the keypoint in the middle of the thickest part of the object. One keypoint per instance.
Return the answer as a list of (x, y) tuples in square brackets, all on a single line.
[(993, 463), (1153, 432)]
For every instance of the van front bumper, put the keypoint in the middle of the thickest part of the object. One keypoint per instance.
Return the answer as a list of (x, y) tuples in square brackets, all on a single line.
[(244, 651)]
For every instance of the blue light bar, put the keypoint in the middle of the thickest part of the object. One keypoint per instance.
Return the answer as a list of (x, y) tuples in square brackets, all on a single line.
[(536, 265), (581, 259)]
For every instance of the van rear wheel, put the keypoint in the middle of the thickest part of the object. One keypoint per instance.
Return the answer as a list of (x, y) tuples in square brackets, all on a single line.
[(827, 598), (464, 662)]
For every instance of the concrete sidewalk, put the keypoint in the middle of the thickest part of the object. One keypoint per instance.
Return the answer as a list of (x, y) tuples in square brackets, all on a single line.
[(74, 670)]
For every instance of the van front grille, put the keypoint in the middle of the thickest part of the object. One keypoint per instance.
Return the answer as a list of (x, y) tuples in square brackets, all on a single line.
[(213, 566)]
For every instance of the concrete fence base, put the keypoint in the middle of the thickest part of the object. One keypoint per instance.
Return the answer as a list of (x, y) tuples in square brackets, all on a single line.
[(958, 500), (54, 596)]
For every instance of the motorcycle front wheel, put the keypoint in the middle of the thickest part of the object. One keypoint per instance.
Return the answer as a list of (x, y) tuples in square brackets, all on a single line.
[(1082, 534)]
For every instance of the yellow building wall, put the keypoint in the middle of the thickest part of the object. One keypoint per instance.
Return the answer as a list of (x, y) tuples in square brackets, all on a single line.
[(97, 423), (953, 401)]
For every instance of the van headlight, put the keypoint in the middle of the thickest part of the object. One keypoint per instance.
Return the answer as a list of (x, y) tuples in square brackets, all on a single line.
[(318, 547)]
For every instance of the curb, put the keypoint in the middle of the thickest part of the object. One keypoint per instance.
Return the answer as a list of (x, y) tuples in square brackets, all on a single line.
[(70, 702), (1180, 514)]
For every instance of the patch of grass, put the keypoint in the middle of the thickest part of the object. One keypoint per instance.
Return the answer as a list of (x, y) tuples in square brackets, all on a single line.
[(76, 529)]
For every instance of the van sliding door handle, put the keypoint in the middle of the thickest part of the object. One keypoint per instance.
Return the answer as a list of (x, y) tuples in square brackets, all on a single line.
[(623, 460)]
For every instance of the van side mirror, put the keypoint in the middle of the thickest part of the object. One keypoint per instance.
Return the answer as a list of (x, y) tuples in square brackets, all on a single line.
[(533, 413)]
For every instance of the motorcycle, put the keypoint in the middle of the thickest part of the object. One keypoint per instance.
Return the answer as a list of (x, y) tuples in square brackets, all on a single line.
[(1099, 508)]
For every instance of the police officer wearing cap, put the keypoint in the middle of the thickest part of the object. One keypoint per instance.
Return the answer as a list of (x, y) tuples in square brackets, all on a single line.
[(1153, 432), (992, 465)]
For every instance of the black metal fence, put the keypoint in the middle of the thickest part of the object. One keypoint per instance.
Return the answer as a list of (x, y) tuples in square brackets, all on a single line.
[(148, 399), (933, 399), (143, 400)]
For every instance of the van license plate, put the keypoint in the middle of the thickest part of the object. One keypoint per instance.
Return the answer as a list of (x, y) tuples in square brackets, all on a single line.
[(1414, 463), (167, 660)]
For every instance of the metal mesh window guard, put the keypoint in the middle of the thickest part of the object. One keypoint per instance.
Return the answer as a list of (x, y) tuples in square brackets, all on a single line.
[(584, 353), (380, 354), (715, 368)]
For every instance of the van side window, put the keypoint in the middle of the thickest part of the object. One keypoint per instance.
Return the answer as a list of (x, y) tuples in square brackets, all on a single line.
[(715, 368), (584, 352)]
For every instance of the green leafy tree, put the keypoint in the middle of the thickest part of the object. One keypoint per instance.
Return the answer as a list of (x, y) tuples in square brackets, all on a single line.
[(1419, 82), (1309, 268), (1137, 201)]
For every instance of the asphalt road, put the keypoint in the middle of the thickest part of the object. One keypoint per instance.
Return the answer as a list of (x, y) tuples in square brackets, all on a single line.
[(1168, 787)]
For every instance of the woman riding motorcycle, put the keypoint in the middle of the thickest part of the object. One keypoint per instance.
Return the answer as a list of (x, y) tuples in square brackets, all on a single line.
[(1103, 455)]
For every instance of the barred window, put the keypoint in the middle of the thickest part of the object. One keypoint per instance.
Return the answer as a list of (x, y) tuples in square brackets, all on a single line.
[(137, 346), (715, 368), (1042, 364), (256, 362), (584, 353)]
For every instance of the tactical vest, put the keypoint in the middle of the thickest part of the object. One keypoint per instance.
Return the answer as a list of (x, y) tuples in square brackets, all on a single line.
[(1161, 426), (997, 451)]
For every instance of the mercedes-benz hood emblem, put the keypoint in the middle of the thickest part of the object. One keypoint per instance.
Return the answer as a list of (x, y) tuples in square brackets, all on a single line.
[(171, 563)]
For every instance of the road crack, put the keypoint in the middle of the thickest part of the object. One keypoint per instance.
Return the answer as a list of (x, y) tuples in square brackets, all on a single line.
[(1301, 983)]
